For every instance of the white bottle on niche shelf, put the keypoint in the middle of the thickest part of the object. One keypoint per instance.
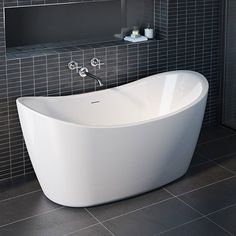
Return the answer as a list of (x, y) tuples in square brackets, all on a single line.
[(149, 32)]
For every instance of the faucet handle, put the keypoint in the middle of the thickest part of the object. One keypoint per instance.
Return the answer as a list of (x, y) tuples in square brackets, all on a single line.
[(74, 66), (96, 62)]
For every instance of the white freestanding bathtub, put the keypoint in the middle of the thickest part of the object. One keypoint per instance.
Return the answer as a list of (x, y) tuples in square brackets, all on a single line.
[(104, 146)]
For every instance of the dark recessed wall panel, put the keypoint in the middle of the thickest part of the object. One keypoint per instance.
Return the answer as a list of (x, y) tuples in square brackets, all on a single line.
[(90, 22), (86, 22)]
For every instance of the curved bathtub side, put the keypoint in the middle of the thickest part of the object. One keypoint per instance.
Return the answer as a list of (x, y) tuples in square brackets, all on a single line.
[(83, 166)]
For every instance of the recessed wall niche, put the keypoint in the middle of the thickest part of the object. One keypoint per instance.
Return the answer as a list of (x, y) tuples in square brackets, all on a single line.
[(64, 22), (85, 22)]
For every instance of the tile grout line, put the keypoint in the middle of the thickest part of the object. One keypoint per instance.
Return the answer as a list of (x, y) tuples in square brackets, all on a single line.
[(99, 222), (30, 217), (225, 168), (141, 208), (76, 231), (21, 195), (208, 185), (222, 209), (224, 156), (202, 156), (203, 215), (214, 161), (206, 216), (217, 158), (178, 226), (200, 164), (216, 139)]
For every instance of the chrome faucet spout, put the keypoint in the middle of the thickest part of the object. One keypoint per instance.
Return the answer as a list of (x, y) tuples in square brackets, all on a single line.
[(94, 77)]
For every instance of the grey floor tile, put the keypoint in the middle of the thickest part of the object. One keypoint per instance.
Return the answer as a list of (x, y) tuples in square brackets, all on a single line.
[(214, 197), (226, 219), (97, 230), (152, 220), (213, 133), (108, 211), (25, 206), (201, 227), (56, 223), (197, 177), (228, 162), (18, 187), (197, 159), (219, 148)]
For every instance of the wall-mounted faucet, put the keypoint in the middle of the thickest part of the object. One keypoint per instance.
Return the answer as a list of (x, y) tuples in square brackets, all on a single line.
[(83, 72)]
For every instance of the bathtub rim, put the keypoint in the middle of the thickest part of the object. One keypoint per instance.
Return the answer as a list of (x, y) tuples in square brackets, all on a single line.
[(202, 95)]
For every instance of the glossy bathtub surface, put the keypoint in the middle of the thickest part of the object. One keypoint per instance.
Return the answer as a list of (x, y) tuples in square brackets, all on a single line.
[(139, 101), (104, 146)]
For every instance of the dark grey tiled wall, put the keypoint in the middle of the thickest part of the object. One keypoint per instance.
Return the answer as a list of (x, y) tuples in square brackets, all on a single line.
[(190, 40), (229, 114)]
